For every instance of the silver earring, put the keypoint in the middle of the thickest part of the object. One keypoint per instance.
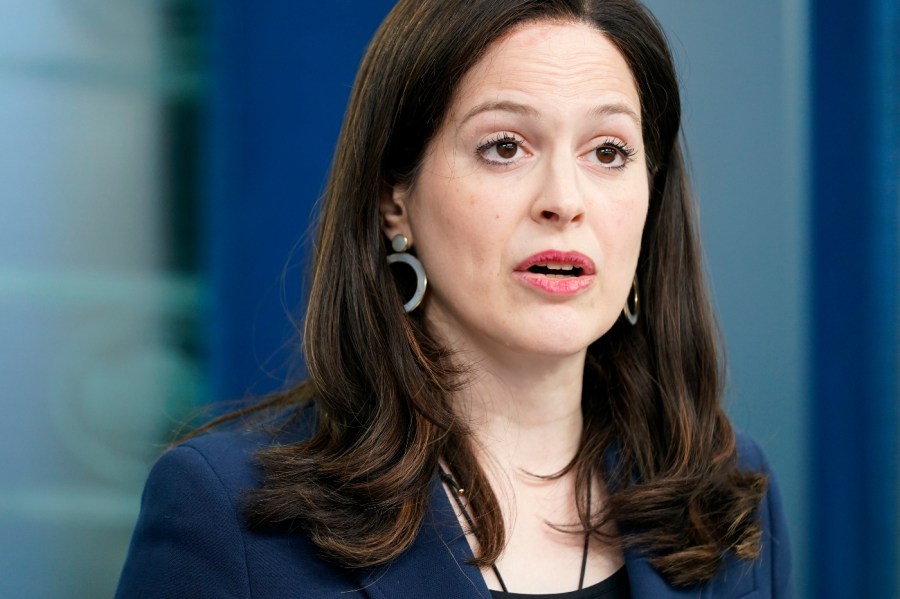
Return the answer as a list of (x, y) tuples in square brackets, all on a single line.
[(400, 244), (631, 314)]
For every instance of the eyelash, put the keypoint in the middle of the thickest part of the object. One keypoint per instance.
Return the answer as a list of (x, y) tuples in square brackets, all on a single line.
[(626, 151)]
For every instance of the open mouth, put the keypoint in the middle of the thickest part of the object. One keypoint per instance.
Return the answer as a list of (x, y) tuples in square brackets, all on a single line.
[(557, 273), (560, 271), (555, 263)]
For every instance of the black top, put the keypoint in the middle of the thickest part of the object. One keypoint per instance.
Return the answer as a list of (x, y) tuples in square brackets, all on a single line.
[(614, 587)]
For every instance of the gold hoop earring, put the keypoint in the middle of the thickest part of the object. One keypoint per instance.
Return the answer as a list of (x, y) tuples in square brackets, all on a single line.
[(632, 313), (400, 244)]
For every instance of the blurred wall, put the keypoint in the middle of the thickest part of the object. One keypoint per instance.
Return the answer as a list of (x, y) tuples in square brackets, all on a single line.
[(745, 73), (282, 75), (97, 324), (855, 415)]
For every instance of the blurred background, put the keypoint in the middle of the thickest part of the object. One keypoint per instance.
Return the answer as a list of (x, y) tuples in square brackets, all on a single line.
[(159, 163)]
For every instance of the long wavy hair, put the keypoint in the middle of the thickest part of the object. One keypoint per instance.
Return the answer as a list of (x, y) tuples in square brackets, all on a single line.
[(383, 385)]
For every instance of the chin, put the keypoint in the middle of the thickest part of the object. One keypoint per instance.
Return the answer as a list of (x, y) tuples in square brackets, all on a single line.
[(558, 342), (565, 336), (552, 333)]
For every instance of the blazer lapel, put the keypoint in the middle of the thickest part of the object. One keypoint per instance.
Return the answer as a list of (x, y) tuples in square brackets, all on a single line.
[(436, 564), (646, 583)]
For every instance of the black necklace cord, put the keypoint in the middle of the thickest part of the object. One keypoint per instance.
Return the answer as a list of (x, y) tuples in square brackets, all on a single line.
[(587, 542), (456, 492)]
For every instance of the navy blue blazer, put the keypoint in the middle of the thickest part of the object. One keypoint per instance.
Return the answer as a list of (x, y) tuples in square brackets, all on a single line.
[(190, 541)]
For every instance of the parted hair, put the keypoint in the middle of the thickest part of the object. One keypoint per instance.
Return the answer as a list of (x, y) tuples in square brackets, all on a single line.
[(383, 385)]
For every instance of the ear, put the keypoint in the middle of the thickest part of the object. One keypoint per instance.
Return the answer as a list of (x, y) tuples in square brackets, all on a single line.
[(394, 216)]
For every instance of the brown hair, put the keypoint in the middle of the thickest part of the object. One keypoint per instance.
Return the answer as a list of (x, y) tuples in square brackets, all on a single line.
[(359, 486)]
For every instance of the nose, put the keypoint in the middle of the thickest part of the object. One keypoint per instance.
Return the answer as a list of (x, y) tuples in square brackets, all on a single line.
[(560, 199)]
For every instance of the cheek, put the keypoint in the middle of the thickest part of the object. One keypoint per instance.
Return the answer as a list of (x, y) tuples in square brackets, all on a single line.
[(633, 224), (444, 216), (449, 238), (460, 222), (623, 223)]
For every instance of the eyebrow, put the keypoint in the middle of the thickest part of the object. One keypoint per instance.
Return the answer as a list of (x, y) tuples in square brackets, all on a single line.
[(616, 108), (504, 106), (523, 109)]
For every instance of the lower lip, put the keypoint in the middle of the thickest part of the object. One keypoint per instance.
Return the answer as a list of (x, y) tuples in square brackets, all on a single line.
[(555, 285)]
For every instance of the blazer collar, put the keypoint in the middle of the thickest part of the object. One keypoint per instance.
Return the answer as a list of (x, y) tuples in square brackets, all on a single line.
[(436, 565)]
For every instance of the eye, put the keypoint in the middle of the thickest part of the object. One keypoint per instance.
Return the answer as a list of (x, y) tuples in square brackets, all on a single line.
[(613, 154), (504, 149), (607, 155)]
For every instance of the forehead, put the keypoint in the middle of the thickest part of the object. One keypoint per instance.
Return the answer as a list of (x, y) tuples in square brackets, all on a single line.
[(551, 62)]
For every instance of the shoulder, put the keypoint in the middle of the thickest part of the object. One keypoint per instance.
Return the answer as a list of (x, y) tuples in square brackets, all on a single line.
[(224, 459), (774, 564), (750, 455), (229, 449), (188, 539), (191, 539), (229, 454)]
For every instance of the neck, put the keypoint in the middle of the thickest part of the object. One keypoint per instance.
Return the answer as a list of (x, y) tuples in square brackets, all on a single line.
[(526, 414)]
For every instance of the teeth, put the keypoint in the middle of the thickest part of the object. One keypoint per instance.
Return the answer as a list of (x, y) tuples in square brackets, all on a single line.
[(553, 266)]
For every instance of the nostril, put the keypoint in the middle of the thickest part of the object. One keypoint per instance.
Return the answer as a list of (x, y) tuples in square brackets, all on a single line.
[(549, 215)]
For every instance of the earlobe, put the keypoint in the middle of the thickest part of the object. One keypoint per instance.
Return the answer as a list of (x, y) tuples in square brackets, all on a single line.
[(392, 208)]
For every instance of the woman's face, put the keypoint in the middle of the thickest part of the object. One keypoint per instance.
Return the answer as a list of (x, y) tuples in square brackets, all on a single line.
[(528, 209)]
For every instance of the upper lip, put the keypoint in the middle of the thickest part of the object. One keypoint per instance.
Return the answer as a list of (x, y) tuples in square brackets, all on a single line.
[(553, 257)]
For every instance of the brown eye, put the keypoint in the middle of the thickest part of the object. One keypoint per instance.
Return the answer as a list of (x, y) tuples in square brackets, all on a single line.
[(607, 155), (507, 149)]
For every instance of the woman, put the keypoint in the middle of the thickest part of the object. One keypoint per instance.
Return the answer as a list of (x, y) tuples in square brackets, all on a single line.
[(543, 416)]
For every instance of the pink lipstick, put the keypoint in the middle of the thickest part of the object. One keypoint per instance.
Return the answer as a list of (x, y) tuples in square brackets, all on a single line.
[(556, 272)]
